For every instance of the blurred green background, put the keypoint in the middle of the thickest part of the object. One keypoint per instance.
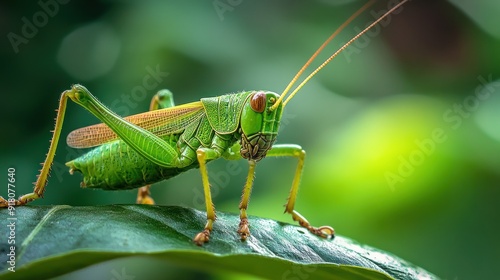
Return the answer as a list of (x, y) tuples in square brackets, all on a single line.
[(401, 131)]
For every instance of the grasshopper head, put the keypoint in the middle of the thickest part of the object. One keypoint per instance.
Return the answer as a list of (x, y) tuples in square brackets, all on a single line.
[(259, 124)]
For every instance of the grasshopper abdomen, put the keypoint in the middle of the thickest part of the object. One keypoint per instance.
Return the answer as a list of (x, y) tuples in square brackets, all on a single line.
[(116, 166)]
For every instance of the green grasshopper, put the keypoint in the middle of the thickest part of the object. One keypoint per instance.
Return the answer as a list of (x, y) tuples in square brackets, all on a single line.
[(136, 151)]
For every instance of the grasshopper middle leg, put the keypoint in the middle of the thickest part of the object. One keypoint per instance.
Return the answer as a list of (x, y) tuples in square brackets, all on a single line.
[(203, 155)]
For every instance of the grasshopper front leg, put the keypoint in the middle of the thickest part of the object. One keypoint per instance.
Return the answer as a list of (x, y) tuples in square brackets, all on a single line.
[(281, 150), (287, 150)]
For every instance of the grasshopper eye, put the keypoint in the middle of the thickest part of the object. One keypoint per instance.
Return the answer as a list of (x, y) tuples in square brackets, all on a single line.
[(258, 102)]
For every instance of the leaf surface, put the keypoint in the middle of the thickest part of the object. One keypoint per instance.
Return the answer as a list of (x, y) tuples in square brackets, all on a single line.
[(54, 240)]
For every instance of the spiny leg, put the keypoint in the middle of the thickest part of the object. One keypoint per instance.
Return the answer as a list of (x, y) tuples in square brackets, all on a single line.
[(289, 150), (243, 229), (42, 178), (162, 99), (204, 154), (142, 141)]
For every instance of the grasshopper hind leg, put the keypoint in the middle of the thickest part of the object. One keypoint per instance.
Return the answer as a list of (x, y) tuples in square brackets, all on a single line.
[(162, 99), (144, 196)]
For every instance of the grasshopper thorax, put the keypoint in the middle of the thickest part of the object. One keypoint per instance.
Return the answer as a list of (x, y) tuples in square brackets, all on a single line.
[(259, 125)]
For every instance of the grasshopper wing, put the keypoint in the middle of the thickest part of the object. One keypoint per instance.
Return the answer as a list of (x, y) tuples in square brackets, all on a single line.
[(160, 122)]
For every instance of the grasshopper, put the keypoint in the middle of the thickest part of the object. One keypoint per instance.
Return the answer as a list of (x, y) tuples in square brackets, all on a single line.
[(138, 150)]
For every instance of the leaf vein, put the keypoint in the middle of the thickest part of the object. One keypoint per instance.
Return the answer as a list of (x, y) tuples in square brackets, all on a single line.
[(39, 226)]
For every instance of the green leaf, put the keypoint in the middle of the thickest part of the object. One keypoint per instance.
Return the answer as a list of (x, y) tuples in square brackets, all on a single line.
[(54, 240)]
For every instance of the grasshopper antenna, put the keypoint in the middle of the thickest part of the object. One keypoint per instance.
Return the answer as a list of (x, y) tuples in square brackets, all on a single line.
[(294, 80)]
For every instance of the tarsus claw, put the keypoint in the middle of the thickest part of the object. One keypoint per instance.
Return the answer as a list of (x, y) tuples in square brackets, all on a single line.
[(202, 237), (326, 232)]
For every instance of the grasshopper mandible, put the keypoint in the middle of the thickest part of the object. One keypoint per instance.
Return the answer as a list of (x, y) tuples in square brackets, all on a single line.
[(136, 151)]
